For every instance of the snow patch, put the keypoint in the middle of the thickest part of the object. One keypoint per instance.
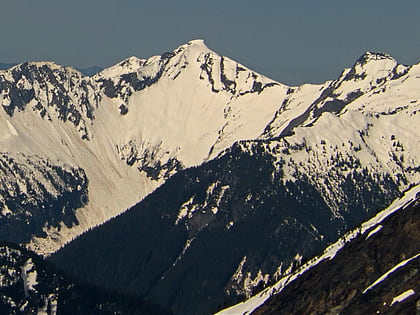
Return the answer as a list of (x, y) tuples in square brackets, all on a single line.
[(238, 275), (29, 276), (375, 230), (403, 296), (184, 210), (386, 274)]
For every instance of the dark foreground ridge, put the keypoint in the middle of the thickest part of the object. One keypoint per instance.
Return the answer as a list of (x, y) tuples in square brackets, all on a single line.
[(348, 283)]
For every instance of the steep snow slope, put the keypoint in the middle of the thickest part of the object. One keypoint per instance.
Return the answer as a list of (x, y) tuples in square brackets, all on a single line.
[(131, 126), (375, 84), (180, 104)]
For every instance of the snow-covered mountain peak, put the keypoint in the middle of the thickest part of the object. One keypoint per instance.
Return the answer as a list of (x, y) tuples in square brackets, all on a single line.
[(129, 65), (197, 42), (152, 65), (373, 56), (359, 87), (41, 70), (193, 45), (48, 92), (373, 66), (36, 68), (40, 64)]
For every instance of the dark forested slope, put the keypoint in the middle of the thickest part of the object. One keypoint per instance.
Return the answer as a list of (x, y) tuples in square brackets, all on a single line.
[(29, 285), (376, 273), (213, 234)]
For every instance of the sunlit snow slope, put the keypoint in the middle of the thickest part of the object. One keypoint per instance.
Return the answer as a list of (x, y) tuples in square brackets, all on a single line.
[(127, 128)]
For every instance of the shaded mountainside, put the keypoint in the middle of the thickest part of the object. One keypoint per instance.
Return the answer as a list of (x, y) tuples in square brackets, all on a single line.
[(212, 235), (37, 193), (30, 286), (375, 273)]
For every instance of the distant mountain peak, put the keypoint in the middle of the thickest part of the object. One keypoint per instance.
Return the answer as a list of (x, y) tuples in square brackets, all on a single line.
[(134, 64), (195, 43), (373, 56), (128, 65), (39, 64), (41, 67), (198, 41), (374, 64), (375, 67)]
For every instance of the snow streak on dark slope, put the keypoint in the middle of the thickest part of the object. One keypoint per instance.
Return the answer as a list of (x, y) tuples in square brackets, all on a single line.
[(30, 286), (36, 193), (375, 273)]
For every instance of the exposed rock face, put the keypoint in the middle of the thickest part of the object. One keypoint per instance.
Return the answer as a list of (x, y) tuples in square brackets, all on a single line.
[(49, 90)]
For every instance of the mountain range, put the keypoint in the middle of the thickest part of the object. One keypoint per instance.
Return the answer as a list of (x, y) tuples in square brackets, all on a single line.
[(88, 71), (231, 180)]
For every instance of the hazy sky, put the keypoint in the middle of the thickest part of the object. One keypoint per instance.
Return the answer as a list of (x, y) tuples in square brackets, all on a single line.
[(291, 41)]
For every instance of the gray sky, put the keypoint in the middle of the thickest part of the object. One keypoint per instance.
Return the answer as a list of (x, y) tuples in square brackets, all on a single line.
[(290, 41)]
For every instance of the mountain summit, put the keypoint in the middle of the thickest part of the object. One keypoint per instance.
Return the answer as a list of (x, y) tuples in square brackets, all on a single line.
[(128, 128)]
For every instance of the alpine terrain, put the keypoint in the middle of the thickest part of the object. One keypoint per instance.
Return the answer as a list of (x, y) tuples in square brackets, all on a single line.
[(331, 157), (108, 140), (232, 181)]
